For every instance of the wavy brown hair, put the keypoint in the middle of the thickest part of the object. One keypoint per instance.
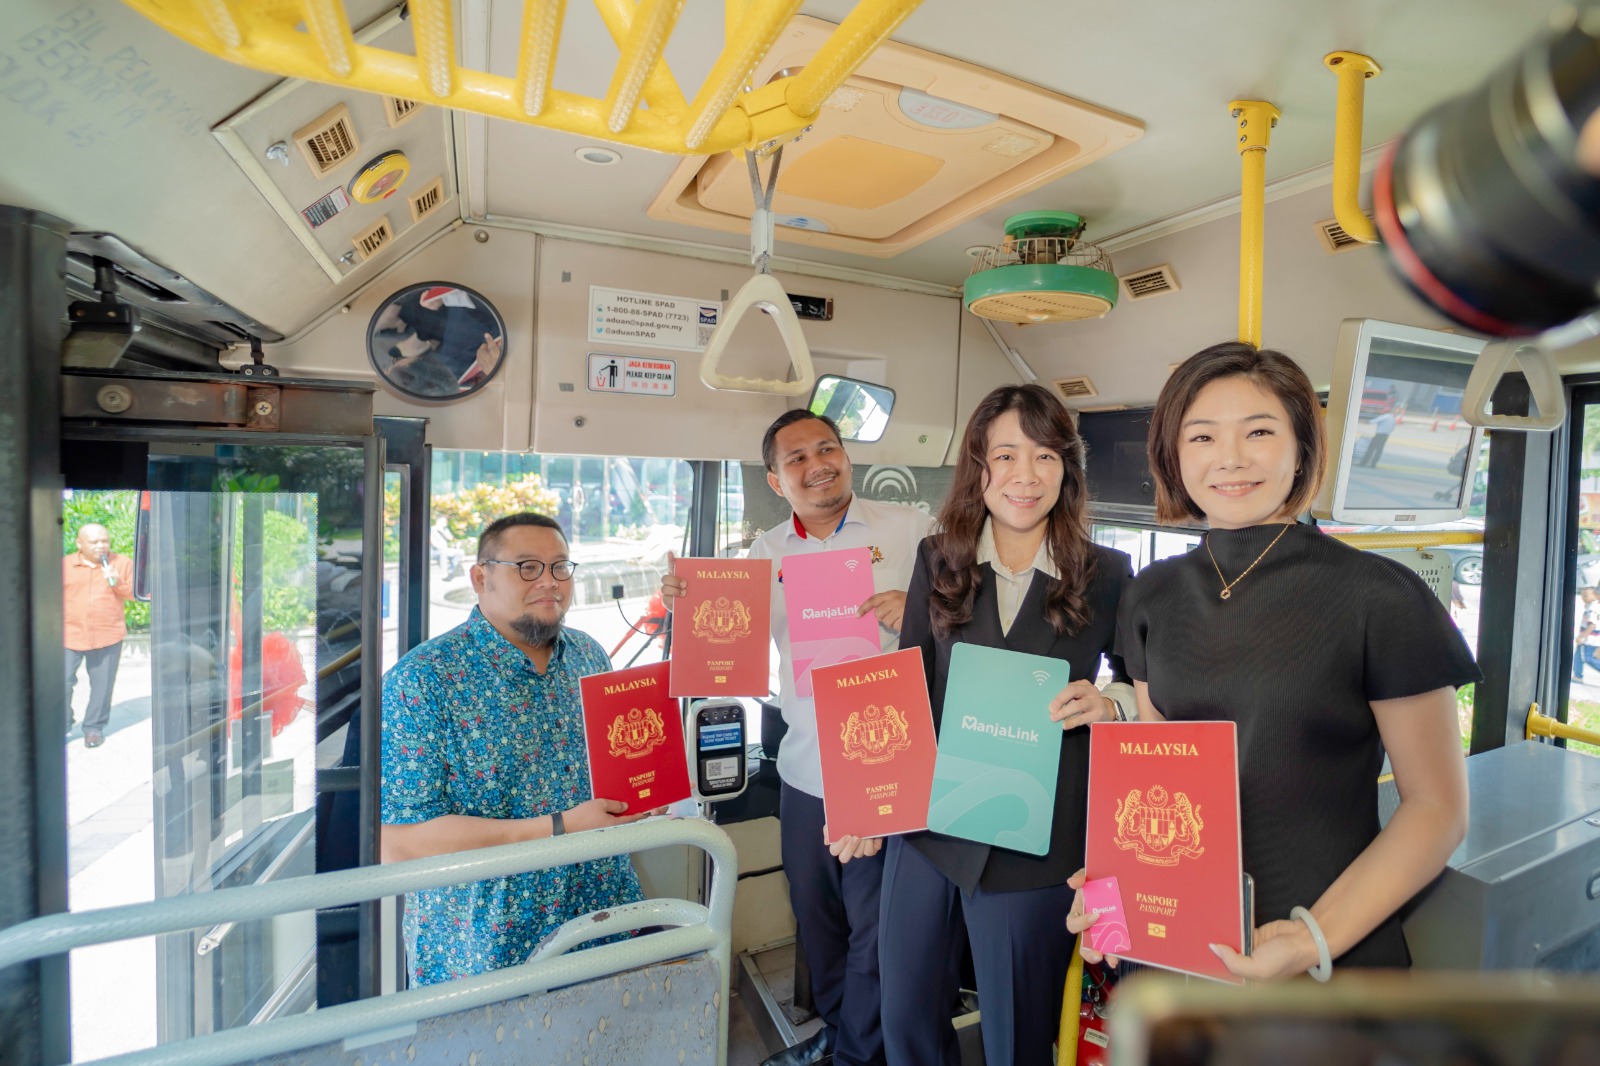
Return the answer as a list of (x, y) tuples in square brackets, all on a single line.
[(1271, 371), (954, 580)]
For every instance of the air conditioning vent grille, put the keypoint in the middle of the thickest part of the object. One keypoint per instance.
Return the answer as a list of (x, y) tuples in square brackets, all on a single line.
[(329, 141), (1333, 237), (373, 239), (1143, 284), (1077, 388), (397, 109), (427, 200)]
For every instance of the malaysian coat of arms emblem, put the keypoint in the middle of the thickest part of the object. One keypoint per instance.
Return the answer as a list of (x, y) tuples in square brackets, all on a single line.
[(636, 734), (1159, 829), (874, 735), (722, 621)]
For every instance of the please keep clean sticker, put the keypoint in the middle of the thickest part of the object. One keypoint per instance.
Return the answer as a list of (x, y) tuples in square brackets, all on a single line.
[(639, 377)]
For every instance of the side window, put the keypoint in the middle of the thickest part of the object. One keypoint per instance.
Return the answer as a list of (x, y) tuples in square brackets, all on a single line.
[(749, 507), (621, 517), (1143, 546)]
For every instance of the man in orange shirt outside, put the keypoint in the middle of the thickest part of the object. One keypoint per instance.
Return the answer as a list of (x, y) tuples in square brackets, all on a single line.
[(95, 583)]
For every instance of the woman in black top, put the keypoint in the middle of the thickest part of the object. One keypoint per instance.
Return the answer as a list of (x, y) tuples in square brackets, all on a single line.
[(1012, 567), (1324, 656)]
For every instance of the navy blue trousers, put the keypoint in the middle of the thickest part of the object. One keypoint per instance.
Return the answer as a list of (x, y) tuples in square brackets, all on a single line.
[(836, 910), (1020, 951)]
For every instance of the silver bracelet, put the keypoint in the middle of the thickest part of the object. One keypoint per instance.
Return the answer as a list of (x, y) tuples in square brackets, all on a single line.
[(1324, 967)]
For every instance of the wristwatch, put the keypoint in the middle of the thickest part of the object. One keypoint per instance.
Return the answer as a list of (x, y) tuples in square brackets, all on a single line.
[(557, 824)]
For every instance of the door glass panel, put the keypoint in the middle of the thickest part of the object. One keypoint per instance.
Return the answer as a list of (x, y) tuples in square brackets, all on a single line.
[(1583, 536), (250, 559)]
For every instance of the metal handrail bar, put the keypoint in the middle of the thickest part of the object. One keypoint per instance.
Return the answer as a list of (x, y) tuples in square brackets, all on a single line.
[(1397, 540), (57, 933), (1541, 725)]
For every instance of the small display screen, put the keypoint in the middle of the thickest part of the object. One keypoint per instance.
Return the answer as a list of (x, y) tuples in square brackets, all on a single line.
[(1411, 442), (720, 735)]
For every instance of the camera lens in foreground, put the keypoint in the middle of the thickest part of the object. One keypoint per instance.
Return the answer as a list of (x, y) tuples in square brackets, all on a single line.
[(1481, 205)]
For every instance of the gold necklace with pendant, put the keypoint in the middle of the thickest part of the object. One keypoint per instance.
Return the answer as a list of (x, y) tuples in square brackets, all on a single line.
[(1227, 586)]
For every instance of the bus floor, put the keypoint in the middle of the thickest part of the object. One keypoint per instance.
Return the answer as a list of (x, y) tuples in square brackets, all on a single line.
[(751, 1035)]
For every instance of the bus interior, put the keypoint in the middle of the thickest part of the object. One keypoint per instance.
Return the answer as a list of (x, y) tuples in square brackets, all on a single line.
[(296, 297)]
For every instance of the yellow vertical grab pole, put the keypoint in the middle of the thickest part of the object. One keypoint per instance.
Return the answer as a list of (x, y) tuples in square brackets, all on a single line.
[(743, 49), (220, 21), (1352, 69), (541, 31), (869, 24), (661, 92), (433, 25), (1071, 1004), (647, 37), (1255, 119), (331, 27)]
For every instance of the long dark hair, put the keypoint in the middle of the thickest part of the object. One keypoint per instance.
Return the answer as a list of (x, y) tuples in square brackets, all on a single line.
[(954, 581)]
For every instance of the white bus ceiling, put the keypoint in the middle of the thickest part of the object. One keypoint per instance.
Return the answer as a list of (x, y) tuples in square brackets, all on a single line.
[(109, 124)]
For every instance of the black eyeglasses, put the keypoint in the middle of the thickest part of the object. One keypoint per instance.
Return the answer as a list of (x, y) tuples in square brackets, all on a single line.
[(530, 569)]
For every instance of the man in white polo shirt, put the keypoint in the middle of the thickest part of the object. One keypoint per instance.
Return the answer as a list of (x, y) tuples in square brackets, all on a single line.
[(835, 898)]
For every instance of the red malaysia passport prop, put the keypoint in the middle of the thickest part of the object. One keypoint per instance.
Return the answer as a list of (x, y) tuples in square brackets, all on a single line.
[(1164, 821), (634, 734), (875, 730), (722, 628)]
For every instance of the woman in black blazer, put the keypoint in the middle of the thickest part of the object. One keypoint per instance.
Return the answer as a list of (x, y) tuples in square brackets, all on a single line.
[(1011, 567)]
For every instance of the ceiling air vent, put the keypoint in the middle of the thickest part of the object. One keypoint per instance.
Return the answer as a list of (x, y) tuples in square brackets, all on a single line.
[(1074, 389), (1156, 281), (397, 109), (425, 202), (1333, 237), (374, 238), (329, 141)]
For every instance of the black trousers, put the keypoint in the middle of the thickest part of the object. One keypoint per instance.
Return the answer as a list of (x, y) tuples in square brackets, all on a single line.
[(836, 910), (102, 676), (1020, 950)]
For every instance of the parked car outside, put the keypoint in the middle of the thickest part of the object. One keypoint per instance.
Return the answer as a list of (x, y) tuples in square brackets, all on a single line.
[(1375, 402)]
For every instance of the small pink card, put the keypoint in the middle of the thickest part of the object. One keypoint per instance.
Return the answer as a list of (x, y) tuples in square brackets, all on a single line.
[(1109, 934)]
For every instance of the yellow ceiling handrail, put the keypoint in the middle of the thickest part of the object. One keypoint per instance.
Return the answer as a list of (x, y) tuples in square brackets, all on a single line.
[(312, 40), (1352, 69)]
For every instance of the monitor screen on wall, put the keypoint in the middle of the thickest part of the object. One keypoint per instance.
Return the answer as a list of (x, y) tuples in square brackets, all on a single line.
[(1400, 451)]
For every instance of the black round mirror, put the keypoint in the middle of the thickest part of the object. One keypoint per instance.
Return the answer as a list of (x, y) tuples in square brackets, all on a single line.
[(436, 341)]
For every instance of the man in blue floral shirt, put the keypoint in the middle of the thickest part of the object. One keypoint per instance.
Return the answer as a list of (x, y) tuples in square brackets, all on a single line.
[(483, 745)]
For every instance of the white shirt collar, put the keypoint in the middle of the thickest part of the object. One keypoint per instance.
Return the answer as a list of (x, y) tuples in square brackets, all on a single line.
[(852, 517), (987, 553)]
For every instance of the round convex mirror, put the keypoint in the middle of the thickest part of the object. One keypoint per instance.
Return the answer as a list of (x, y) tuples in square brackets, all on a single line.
[(436, 341)]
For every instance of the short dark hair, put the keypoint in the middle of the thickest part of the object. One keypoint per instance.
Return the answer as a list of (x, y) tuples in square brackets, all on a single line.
[(769, 443), (493, 530), (1271, 370)]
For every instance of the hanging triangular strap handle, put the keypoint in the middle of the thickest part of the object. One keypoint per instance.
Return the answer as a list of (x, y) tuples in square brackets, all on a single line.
[(764, 292), (760, 292), (1544, 382)]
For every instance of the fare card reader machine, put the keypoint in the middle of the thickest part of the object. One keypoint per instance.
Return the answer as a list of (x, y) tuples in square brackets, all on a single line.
[(717, 742)]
